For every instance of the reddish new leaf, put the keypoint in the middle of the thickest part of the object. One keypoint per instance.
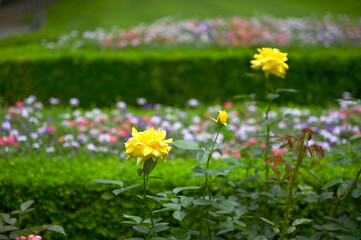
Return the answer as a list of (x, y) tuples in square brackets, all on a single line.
[(290, 140), (318, 149), (309, 131)]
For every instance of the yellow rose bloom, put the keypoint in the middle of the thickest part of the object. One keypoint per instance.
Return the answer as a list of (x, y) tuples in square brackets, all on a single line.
[(222, 117), (148, 144), (271, 61)]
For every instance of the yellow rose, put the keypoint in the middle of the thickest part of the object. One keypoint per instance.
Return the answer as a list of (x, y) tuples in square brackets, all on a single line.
[(222, 117), (148, 144), (271, 61)]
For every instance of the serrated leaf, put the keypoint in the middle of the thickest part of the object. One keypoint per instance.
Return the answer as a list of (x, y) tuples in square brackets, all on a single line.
[(332, 183), (141, 229), (56, 228), (24, 206), (179, 189), (159, 228), (267, 221), (187, 145), (301, 221), (105, 181)]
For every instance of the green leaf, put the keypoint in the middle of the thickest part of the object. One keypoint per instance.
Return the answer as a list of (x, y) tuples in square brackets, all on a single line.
[(141, 229), (342, 189), (184, 144), (344, 160), (267, 221), (175, 206), (332, 183), (179, 189), (291, 229), (158, 238), (331, 227), (10, 228), (135, 218), (346, 237), (148, 166), (24, 206), (201, 201), (179, 215), (356, 193), (159, 228), (301, 221), (140, 171), (2, 236), (354, 137), (202, 157), (120, 183), (186, 201), (272, 96), (185, 236), (135, 238), (285, 90), (56, 228), (229, 181), (120, 190), (160, 178)]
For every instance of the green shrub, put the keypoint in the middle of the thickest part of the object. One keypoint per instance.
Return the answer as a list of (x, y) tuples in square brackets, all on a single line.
[(64, 194), (99, 78)]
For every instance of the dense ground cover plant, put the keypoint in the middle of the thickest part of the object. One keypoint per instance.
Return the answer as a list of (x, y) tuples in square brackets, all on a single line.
[(221, 32)]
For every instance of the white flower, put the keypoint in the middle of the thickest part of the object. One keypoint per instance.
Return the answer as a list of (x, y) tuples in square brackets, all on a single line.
[(74, 102), (54, 101), (141, 101), (193, 102), (121, 105)]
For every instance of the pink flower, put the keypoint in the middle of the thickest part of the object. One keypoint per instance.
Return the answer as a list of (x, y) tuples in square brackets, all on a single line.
[(279, 151), (236, 153), (32, 237), (122, 133), (263, 145), (19, 104), (253, 140), (357, 109), (61, 139), (10, 140), (228, 105)]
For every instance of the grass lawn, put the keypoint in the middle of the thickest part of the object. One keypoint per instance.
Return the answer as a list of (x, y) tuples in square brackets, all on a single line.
[(68, 15)]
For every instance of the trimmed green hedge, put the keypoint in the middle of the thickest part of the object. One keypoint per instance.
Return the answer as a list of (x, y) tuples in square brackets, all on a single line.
[(64, 194), (99, 78)]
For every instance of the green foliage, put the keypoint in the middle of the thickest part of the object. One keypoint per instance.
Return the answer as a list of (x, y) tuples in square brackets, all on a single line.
[(99, 78)]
